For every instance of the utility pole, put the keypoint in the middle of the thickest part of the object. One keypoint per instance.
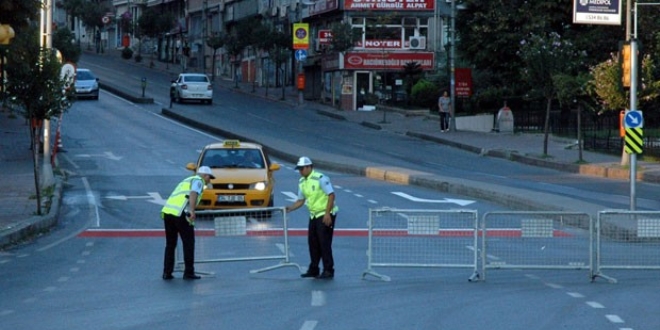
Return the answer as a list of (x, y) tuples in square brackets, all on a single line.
[(452, 70), (204, 33), (46, 41)]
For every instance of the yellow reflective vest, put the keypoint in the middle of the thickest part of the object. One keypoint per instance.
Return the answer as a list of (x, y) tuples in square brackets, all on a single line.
[(178, 200), (315, 198)]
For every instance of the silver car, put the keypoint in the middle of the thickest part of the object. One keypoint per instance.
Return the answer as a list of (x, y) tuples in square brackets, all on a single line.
[(192, 86), (87, 84)]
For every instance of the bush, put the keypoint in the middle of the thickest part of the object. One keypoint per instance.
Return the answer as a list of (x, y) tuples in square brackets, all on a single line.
[(425, 94), (126, 53)]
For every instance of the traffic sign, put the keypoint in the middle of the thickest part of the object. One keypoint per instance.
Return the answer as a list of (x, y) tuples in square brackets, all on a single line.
[(68, 74), (634, 141), (301, 55), (634, 119), (105, 19)]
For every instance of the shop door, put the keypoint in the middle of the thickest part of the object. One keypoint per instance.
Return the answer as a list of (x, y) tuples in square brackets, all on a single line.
[(363, 87)]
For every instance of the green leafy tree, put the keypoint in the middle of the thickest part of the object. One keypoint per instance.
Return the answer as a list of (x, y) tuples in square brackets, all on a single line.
[(215, 42), (344, 37), (412, 73), (64, 41), (489, 34), (238, 40), (152, 24), (36, 86), (543, 57), (18, 13)]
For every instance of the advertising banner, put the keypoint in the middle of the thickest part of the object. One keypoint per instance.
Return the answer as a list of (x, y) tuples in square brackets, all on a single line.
[(463, 78), (603, 12), (393, 61), (389, 5)]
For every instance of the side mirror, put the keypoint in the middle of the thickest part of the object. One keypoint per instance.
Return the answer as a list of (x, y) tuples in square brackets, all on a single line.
[(191, 167)]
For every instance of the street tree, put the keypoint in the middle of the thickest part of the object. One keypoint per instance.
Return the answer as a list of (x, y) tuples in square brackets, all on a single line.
[(19, 13), (239, 38), (64, 41), (37, 89), (152, 24), (543, 56), (215, 42), (490, 33)]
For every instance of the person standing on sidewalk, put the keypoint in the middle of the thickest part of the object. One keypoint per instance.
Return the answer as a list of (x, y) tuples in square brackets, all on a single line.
[(179, 218), (444, 108), (315, 191)]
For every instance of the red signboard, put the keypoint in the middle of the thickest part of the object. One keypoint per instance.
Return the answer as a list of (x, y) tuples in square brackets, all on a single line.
[(325, 37), (390, 5), (463, 78), (394, 61)]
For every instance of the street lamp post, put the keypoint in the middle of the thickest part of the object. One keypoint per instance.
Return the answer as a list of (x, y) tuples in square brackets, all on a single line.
[(452, 70)]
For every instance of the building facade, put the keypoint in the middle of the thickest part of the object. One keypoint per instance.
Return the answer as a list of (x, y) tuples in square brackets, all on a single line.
[(393, 34)]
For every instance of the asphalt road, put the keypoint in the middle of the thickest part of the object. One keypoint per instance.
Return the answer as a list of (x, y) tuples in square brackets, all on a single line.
[(73, 280)]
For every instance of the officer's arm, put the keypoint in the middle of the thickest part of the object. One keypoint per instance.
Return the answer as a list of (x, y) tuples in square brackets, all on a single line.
[(295, 205)]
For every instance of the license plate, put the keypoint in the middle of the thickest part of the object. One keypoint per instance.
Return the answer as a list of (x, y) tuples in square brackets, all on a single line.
[(198, 95), (231, 198)]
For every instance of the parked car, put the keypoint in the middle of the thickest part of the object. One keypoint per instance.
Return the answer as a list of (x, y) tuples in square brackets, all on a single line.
[(86, 84), (243, 176), (192, 86)]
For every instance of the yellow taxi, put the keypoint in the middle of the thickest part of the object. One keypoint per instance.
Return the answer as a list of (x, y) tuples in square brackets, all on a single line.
[(243, 176)]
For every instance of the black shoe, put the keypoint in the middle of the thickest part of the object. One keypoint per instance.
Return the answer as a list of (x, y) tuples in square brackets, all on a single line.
[(191, 277), (167, 276), (309, 274), (326, 275)]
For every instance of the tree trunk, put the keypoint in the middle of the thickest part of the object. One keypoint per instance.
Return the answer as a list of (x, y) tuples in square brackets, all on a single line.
[(546, 127), (35, 126)]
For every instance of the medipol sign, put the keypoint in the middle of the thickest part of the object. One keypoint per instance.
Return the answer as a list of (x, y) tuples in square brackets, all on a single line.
[(606, 12)]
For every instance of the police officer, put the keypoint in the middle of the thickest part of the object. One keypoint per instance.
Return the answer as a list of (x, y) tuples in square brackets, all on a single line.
[(315, 191), (179, 217)]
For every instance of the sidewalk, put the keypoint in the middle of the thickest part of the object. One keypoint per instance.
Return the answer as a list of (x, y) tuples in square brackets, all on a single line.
[(17, 221)]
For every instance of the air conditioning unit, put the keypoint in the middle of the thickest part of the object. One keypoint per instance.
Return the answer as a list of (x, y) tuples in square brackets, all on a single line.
[(417, 42)]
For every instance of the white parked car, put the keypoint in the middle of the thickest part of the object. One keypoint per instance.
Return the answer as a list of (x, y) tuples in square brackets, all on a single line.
[(192, 86), (86, 84)]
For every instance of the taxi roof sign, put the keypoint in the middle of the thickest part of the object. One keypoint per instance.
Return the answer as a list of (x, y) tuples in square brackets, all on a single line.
[(231, 143)]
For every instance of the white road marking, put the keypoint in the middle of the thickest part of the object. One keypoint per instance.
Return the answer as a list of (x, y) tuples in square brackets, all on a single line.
[(614, 318), (292, 197), (309, 325), (575, 294), (554, 286), (372, 201), (318, 298), (460, 202), (594, 304)]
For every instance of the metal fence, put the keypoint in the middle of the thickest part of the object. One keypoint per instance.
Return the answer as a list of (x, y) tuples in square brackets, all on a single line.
[(535, 240), (600, 132), (421, 238), (634, 246), (246, 235)]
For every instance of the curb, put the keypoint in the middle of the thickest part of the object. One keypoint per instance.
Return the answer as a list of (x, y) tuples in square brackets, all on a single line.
[(35, 225)]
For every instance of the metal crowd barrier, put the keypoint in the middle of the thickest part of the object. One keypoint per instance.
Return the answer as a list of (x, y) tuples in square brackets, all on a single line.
[(421, 238), (244, 235), (536, 240), (627, 240)]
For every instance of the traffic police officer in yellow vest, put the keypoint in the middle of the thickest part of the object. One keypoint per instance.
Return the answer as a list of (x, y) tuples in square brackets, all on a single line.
[(315, 191), (179, 217)]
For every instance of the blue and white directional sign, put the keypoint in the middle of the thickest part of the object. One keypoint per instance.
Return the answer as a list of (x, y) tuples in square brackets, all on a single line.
[(634, 119), (301, 54)]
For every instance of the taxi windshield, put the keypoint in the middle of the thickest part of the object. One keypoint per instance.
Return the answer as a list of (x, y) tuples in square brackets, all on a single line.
[(233, 158)]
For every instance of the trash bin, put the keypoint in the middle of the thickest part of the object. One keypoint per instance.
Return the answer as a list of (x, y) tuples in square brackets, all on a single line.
[(504, 121)]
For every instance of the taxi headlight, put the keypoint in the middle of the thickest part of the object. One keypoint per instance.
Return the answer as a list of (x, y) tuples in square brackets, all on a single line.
[(259, 186)]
